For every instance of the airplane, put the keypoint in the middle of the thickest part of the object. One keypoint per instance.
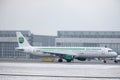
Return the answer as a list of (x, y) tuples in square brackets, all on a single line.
[(66, 53)]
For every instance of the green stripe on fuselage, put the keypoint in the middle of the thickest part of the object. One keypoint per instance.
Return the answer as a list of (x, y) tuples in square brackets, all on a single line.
[(63, 48), (47, 49), (93, 48)]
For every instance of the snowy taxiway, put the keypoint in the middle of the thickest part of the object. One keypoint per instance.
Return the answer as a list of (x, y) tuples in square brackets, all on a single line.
[(58, 71)]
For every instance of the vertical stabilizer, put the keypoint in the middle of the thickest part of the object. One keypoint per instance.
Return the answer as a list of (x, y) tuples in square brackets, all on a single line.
[(22, 42)]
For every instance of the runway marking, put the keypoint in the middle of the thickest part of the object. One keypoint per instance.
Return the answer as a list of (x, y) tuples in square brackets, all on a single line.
[(32, 75)]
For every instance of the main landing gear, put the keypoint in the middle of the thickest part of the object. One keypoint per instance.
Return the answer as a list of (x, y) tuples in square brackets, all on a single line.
[(60, 60), (104, 61), (115, 61)]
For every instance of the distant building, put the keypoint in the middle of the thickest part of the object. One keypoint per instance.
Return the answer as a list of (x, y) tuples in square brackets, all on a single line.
[(43, 40), (8, 42), (109, 39)]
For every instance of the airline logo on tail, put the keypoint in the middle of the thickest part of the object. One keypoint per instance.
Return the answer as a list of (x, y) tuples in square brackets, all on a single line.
[(21, 40)]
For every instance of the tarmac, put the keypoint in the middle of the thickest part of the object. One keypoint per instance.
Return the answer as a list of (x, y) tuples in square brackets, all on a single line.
[(88, 70)]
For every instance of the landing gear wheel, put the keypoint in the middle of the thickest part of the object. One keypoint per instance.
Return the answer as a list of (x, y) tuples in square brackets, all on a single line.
[(115, 61), (104, 61), (60, 60)]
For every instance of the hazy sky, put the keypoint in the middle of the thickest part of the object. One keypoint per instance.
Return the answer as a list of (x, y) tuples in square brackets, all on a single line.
[(46, 17)]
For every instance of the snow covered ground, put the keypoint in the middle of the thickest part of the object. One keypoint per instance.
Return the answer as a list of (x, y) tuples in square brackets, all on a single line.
[(58, 71)]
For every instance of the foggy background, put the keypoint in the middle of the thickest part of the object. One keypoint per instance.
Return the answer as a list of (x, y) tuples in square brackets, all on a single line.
[(46, 17)]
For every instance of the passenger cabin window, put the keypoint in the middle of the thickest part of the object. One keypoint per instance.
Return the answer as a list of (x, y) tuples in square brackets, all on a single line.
[(110, 51)]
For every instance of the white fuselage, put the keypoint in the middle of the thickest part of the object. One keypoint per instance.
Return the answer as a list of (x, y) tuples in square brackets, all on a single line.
[(86, 52)]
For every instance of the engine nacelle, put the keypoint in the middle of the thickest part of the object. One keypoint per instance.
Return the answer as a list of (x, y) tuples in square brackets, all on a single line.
[(68, 58)]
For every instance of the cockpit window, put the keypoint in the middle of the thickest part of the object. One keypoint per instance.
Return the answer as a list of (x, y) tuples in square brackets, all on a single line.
[(110, 51)]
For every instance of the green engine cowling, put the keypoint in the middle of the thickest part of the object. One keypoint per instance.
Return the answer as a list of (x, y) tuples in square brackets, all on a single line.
[(68, 58)]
